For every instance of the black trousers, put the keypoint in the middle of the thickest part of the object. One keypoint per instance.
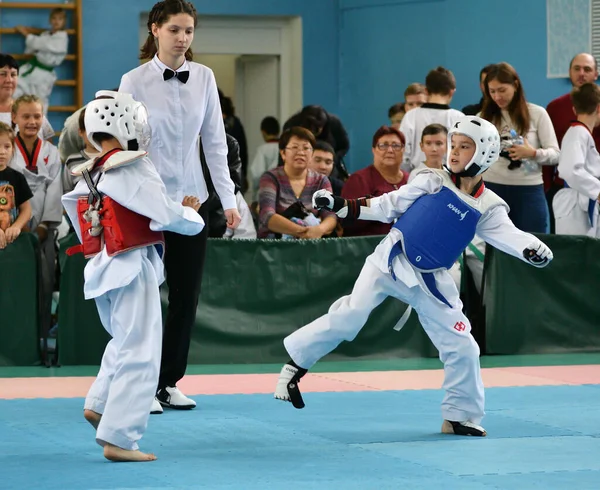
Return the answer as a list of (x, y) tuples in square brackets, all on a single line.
[(184, 263)]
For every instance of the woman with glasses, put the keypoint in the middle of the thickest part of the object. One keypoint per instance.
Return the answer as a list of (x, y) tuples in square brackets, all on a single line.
[(383, 176), (285, 193)]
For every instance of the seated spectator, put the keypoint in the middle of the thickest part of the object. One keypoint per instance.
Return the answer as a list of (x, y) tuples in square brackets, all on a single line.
[(285, 193), (384, 175), (434, 145), (395, 114), (15, 208), (322, 161), (267, 156), (69, 181)]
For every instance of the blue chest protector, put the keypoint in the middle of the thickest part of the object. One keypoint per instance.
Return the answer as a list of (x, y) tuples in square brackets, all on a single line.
[(435, 229)]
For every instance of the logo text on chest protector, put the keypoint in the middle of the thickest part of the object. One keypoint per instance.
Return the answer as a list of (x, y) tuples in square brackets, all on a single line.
[(457, 211)]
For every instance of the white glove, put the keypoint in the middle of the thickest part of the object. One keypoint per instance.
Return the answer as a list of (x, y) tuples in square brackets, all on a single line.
[(324, 199), (538, 254)]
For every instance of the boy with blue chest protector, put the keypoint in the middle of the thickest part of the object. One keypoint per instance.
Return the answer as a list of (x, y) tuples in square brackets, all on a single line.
[(437, 215)]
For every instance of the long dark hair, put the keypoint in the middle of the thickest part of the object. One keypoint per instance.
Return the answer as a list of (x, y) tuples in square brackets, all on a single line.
[(517, 109), (159, 14)]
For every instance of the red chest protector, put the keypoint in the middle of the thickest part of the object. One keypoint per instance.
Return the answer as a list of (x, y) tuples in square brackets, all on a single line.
[(104, 222)]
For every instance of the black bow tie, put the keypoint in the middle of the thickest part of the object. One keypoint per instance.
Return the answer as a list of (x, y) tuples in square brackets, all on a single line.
[(182, 76)]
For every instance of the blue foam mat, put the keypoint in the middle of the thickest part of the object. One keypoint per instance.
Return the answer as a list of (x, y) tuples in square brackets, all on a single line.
[(539, 437)]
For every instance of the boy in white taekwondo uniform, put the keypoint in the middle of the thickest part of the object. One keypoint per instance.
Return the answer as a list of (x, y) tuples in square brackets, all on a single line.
[(576, 206), (438, 215), (119, 210), (37, 77)]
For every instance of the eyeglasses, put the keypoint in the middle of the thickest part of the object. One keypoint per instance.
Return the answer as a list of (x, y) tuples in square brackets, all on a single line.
[(387, 146), (298, 149)]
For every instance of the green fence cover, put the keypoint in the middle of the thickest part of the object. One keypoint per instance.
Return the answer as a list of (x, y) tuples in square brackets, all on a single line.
[(548, 310), (255, 293), (19, 336)]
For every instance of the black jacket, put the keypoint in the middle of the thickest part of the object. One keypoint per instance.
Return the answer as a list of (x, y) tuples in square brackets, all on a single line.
[(473, 109), (217, 224), (234, 127)]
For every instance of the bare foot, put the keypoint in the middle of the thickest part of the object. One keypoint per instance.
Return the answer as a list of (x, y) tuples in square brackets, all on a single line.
[(114, 453), (92, 417)]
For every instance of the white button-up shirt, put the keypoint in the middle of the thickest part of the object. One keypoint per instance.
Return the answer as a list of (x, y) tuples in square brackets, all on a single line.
[(179, 113)]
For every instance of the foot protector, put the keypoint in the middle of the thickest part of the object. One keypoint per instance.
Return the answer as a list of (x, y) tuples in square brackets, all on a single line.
[(287, 385), (463, 429)]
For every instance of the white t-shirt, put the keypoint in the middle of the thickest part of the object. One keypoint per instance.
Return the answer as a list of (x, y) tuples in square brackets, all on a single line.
[(413, 124)]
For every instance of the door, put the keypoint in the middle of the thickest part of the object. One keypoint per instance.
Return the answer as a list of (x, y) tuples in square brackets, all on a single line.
[(257, 95)]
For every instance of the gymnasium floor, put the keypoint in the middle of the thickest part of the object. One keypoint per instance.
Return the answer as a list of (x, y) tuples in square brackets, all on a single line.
[(367, 425)]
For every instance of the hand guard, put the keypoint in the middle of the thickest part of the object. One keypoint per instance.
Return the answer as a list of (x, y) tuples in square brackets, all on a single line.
[(324, 199), (538, 254), (344, 208)]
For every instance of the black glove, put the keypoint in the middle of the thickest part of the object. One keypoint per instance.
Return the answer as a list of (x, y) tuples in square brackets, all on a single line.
[(324, 199)]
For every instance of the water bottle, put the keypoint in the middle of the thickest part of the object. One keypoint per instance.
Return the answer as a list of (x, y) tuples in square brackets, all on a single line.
[(298, 221), (529, 166)]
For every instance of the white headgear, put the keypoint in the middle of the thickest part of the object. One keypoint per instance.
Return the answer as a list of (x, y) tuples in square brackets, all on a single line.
[(120, 116), (487, 143)]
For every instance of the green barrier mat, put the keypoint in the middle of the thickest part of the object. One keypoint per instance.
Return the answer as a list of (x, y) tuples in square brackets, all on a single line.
[(19, 303), (549, 310), (257, 292)]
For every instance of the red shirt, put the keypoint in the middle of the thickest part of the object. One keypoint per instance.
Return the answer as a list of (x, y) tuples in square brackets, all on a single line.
[(562, 115), (368, 182)]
